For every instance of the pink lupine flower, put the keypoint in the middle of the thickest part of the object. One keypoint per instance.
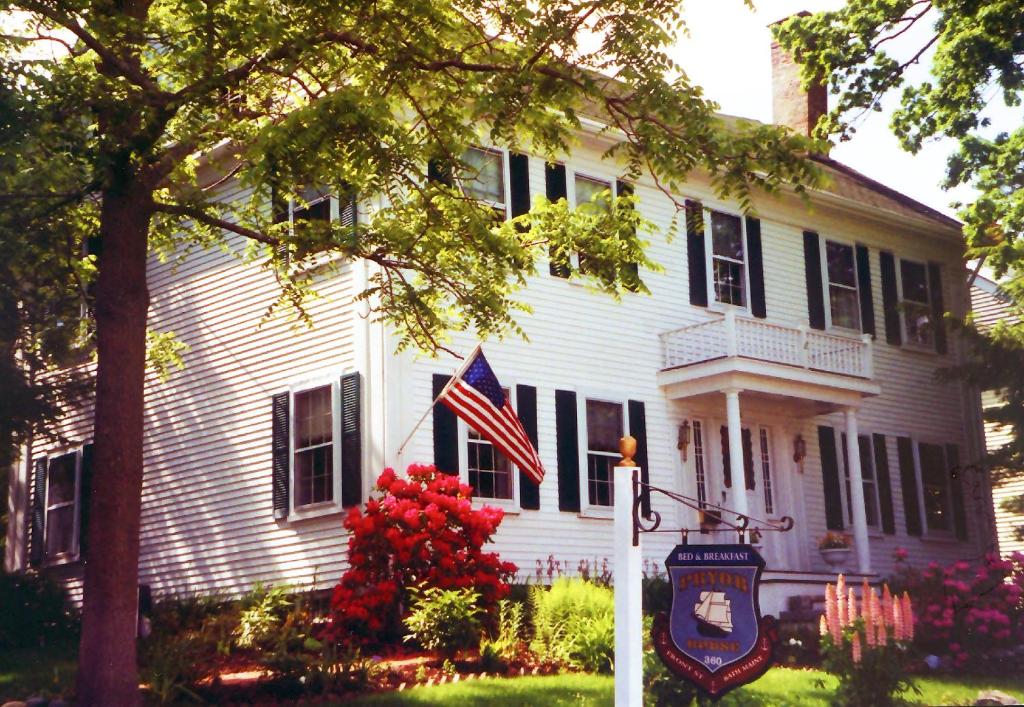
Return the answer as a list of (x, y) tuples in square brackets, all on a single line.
[(856, 648), (851, 605), (887, 605), (832, 614), (882, 637), (897, 621), (841, 601), (822, 625)]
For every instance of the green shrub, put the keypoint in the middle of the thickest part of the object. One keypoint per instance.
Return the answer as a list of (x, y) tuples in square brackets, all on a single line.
[(574, 624), (34, 611), (265, 611), (444, 620), (507, 643)]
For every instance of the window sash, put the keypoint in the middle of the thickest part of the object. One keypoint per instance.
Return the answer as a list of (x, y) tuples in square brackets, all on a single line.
[(67, 544), (315, 453), (495, 197), (766, 472), (869, 484), (936, 495), (602, 454), (700, 463), (915, 311), (727, 275), (496, 482)]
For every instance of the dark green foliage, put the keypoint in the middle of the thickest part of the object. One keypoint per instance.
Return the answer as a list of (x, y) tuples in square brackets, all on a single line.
[(574, 624), (445, 620), (34, 611)]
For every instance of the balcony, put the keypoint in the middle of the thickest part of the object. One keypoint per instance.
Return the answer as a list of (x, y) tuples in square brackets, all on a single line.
[(827, 371)]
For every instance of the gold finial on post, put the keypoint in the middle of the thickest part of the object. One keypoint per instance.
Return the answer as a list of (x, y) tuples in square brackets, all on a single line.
[(627, 448)]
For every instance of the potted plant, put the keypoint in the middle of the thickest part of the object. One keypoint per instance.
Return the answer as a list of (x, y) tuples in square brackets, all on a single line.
[(835, 549)]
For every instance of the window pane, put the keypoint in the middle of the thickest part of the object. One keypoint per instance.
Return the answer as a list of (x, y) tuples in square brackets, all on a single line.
[(841, 269), (917, 320), (599, 479), (61, 480), (604, 426), (490, 473), (314, 475), (766, 472), (698, 463), (915, 281), (314, 206), (729, 282), (587, 189), (726, 235), (60, 530), (845, 307), (313, 417), (485, 178), (933, 483)]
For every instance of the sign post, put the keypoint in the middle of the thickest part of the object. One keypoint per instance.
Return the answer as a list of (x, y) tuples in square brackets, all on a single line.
[(629, 648)]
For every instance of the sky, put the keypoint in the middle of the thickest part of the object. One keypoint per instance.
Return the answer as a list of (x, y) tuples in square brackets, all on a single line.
[(728, 54)]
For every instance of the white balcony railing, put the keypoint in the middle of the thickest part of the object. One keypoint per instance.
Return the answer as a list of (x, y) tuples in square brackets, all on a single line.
[(736, 336)]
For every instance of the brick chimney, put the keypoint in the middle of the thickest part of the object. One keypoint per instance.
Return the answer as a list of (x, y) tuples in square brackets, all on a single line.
[(792, 106)]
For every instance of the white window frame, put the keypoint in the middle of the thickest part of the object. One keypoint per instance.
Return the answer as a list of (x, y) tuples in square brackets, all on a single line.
[(844, 465), (293, 206), (926, 530), (506, 177), (930, 347), (509, 505), (769, 480), (587, 508), (335, 504), (570, 177), (699, 428), (76, 540), (826, 284), (709, 262)]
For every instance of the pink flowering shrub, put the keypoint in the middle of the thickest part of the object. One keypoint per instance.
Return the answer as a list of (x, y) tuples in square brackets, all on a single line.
[(866, 643), (967, 611), (419, 532)]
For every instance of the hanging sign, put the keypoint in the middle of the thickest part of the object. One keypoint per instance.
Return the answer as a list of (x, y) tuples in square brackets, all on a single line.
[(714, 635)]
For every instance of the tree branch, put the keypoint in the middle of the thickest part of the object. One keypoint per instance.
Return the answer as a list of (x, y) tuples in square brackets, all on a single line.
[(202, 216)]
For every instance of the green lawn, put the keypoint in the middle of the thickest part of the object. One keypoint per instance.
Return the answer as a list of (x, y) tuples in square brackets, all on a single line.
[(778, 687), (36, 671)]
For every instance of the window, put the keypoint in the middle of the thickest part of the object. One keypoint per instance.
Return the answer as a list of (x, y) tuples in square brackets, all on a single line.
[(915, 304), (314, 449), (62, 481), (587, 188), (605, 425), (728, 270), (700, 463), (766, 472), (935, 487), (841, 280), (485, 178), (490, 472), (869, 479)]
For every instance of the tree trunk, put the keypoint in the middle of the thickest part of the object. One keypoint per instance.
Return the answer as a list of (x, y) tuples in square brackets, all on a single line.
[(107, 671)]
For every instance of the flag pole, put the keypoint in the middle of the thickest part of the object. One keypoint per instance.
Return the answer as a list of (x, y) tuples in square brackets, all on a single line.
[(451, 381)]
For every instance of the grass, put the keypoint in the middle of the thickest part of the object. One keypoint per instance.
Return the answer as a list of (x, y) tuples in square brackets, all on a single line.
[(50, 671), (779, 687)]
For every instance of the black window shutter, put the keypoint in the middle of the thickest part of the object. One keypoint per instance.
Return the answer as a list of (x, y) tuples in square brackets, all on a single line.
[(446, 431), (867, 301), (890, 299), (812, 275), (556, 186), (908, 484), (884, 484), (630, 274), (566, 431), (956, 487), (37, 520), (351, 440), (439, 171), (280, 450), (695, 254), (348, 210), (638, 430), (748, 460), (938, 308), (526, 408), (756, 260), (84, 498), (830, 477), (723, 434), (519, 183)]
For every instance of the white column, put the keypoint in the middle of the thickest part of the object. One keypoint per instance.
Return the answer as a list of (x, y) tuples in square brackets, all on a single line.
[(860, 519), (629, 628), (738, 498)]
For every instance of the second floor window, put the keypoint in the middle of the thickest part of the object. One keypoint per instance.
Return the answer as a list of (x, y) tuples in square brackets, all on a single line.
[(728, 259), (314, 446), (916, 304), (605, 427), (484, 179), (841, 274)]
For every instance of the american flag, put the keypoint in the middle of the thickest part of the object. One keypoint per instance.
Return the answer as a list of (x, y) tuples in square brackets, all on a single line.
[(475, 395)]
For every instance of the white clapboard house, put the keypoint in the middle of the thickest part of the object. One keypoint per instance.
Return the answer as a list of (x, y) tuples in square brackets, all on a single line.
[(783, 365)]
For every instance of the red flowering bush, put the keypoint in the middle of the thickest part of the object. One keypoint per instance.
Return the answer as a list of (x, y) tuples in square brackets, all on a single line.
[(967, 612), (420, 532)]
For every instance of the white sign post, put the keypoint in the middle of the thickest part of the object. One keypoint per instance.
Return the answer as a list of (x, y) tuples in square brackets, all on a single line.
[(629, 640)]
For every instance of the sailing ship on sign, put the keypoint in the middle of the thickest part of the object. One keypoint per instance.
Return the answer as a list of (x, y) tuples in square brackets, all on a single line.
[(713, 614)]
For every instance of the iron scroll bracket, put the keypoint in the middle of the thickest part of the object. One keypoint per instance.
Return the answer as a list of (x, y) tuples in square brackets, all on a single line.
[(740, 523)]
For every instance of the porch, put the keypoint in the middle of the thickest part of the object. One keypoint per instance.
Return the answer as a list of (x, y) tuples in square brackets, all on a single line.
[(767, 379)]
